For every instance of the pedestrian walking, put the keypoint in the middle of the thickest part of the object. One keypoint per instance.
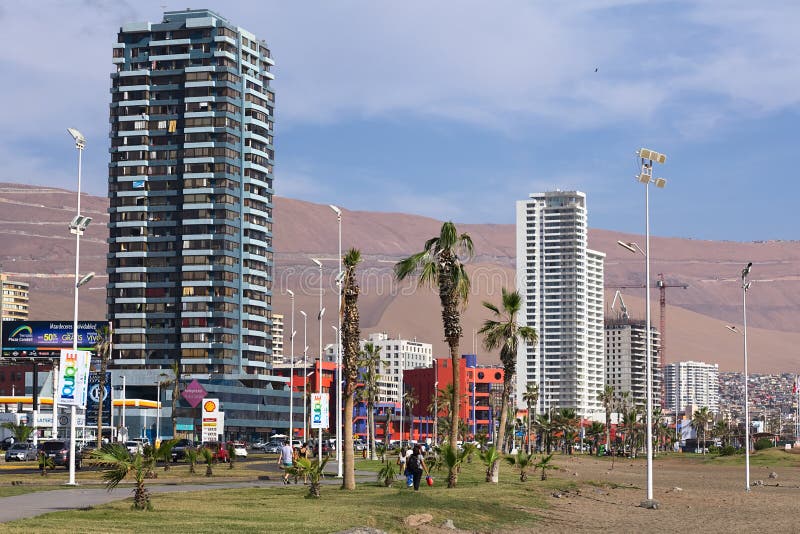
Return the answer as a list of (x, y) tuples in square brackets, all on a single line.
[(415, 464), (285, 459)]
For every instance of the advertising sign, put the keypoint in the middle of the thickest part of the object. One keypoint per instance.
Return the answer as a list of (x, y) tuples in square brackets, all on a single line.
[(319, 410), (45, 339), (73, 377), (93, 399), (194, 393), (209, 417)]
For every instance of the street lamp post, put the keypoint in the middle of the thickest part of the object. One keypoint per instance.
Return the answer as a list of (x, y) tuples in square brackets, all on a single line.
[(648, 157), (124, 399), (436, 413), (339, 418), (77, 227), (291, 376), (319, 375), (305, 376)]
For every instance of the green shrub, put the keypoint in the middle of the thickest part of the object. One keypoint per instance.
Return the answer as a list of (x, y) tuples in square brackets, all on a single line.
[(727, 450), (763, 443)]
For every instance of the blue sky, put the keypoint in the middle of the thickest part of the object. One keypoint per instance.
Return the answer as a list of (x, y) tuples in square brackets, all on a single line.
[(455, 110)]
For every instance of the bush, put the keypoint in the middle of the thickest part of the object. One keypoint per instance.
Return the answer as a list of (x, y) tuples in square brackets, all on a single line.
[(763, 443), (727, 450), (713, 449)]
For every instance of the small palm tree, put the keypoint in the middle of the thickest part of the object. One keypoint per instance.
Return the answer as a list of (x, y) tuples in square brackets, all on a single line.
[(231, 454), (700, 420), (387, 473), (380, 451), (45, 463), (208, 456), (191, 458), (371, 364), (521, 461), (20, 431), (502, 332), (150, 454), (118, 464), (439, 265), (164, 452), (530, 398), (489, 456), (544, 465), (452, 458), (313, 470)]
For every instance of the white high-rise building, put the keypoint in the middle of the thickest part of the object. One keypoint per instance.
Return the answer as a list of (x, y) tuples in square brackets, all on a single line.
[(692, 383), (625, 360), (399, 355), (276, 330), (561, 282)]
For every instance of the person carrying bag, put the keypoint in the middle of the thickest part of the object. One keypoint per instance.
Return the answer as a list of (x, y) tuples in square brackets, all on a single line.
[(416, 466)]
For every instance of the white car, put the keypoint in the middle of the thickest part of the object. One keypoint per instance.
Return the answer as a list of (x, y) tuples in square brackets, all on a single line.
[(134, 447), (240, 450)]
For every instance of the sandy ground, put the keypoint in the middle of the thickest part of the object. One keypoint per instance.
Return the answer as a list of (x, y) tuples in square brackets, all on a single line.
[(711, 498)]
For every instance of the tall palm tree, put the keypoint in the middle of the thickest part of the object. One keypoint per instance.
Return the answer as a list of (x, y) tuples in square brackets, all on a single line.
[(607, 399), (175, 382), (566, 420), (595, 430), (410, 400), (530, 398), (630, 420), (102, 349), (351, 339), (544, 427), (502, 332), (700, 420), (371, 364), (439, 265)]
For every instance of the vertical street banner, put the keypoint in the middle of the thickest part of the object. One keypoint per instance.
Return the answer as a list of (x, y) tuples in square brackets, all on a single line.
[(73, 379), (210, 419), (319, 410), (94, 397)]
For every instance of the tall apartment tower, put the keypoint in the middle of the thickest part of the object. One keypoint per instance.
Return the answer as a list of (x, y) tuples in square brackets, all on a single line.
[(276, 331), (13, 299), (190, 185), (626, 341), (561, 282), (691, 383)]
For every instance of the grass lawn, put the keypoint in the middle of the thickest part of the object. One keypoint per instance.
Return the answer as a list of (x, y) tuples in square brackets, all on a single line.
[(474, 505)]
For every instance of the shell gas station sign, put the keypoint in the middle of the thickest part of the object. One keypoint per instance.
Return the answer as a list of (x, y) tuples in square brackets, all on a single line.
[(212, 420)]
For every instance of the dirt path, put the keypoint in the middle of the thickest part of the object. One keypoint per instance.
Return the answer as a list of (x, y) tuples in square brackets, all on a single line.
[(710, 498)]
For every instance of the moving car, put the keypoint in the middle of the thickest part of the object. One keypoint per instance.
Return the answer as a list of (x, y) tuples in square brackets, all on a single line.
[(58, 451), (240, 450), (22, 452), (220, 452), (273, 447)]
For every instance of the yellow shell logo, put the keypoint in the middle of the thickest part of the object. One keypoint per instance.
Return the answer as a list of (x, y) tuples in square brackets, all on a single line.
[(209, 406)]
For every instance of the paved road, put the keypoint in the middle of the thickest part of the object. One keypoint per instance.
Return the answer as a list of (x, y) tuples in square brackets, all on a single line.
[(43, 502)]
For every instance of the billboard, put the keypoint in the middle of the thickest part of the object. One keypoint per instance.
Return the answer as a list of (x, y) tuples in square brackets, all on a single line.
[(73, 377), (319, 410), (93, 399), (45, 339)]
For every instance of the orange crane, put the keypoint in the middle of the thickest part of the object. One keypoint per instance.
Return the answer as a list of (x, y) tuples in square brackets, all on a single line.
[(662, 286)]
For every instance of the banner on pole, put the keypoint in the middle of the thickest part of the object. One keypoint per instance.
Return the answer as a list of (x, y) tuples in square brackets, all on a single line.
[(319, 410), (73, 377)]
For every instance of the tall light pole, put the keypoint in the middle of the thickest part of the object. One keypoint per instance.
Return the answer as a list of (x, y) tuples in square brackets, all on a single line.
[(339, 418), (319, 375), (291, 376), (77, 227), (305, 377), (124, 399), (648, 157), (436, 413)]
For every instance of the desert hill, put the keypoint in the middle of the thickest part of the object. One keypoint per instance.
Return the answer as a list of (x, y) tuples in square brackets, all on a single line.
[(35, 245)]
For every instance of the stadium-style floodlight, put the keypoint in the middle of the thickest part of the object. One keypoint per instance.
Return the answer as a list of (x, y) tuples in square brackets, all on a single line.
[(80, 140), (85, 279), (628, 246), (79, 224)]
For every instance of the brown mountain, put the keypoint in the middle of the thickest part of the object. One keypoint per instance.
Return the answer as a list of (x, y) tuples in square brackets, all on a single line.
[(35, 245)]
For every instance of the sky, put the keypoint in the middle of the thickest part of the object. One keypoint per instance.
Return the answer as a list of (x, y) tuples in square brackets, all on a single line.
[(457, 109)]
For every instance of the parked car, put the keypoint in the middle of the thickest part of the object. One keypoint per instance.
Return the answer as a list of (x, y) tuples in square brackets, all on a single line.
[(273, 447), (134, 447), (220, 452), (359, 445), (258, 446), (239, 450), (22, 452), (58, 451), (87, 450), (326, 449), (179, 450)]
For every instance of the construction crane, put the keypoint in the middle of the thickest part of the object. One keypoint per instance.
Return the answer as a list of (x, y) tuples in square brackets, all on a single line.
[(662, 286)]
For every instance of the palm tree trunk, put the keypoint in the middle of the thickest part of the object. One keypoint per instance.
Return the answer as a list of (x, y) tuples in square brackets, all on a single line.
[(455, 359), (371, 424), (349, 480), (501, 433)]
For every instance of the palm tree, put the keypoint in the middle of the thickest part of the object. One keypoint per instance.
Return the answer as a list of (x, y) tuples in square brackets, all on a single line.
[(164, 452), (522, 461), (191, 458), (351, 339), (595, 430), (502, 332), (530, 398), (700, 420), (312, 470), (410, 400), (544, 465), (630, 420), (118, 464), (439, 265), (102, 349), (566, 420), (544, 427), (489, 456), (371, 364), (20, 431), (722, 431), (607, 399), (208, 456)]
